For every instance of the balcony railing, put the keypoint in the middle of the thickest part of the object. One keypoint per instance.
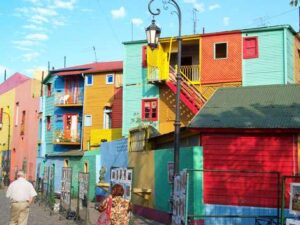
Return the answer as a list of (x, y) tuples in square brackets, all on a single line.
[(73, 98), (61, 138), (191, 72)]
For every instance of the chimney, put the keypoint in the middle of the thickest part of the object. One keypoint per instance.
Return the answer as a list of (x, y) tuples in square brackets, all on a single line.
[(4, 75)]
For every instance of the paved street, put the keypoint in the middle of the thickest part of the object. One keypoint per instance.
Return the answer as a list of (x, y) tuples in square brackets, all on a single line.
[(39, 215)]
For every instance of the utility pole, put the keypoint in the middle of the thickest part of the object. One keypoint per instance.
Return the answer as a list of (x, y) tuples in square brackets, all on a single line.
[(195, 19), (95, 53)]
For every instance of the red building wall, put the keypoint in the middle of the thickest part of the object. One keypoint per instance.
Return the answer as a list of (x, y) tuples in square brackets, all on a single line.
[(117, 108), (221, 70), (247, 152)]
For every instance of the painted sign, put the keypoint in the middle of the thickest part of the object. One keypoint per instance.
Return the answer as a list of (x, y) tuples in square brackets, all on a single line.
[(295, 198), (66, 184), (124, 177), (83, 193), (180, 206)]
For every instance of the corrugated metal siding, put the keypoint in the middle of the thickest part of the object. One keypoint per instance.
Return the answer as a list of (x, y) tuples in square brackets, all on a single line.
[(117, 108), (221, 70), (296, 60), (268, 68), (135, 87), (290, 57), (245, 152), (49, 111)]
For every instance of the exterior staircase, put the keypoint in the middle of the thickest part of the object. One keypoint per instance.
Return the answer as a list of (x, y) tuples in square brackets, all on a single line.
[(189, 94)]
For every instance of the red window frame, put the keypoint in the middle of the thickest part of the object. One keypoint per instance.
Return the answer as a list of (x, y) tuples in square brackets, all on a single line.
[(144, 56), (250, 47), (48, 123), (49, 90), (150, 109)]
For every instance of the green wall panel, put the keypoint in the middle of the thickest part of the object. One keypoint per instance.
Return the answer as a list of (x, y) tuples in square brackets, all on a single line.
[(268, 68), (190, 158), (135, 87)]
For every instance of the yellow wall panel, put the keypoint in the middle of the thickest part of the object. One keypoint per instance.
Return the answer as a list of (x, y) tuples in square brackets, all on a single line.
[(143, 165), (104, 134), (7, 99), (96, 98)]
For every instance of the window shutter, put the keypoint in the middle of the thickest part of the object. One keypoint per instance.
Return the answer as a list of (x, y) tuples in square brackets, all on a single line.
[(144, 56), (250, 48)]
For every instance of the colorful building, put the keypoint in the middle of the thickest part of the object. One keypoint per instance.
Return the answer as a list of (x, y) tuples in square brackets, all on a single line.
[(250, 129), (7, 111), (82, 109)]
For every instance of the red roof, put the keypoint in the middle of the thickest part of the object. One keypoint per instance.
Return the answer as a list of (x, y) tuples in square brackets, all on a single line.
[(93, 68), (12, 82)]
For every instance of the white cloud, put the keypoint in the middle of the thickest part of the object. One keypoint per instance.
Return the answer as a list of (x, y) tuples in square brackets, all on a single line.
[(31, 27), (137, 21), (23, 43), (118, 13), (199, 7), (36, 37), (44, 11), (214, 6), (226, 21), (28, 57), (58, 23), (37, 19), (64, 4)]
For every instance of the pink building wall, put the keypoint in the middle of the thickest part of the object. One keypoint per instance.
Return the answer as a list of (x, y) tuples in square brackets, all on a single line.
[(24, 144)]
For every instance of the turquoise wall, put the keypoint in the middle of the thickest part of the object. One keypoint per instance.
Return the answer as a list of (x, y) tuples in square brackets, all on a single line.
[(77, 164), (290, 56), (49, 111), (269, 67), (190, 158), (135, 87)]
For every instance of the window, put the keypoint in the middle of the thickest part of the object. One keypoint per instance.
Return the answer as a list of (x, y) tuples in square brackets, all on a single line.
[(109, 78), (66, 163), (22, 132), (89, 80), (220, 50), (250, 46), (86, 167), (88, 120), (48, 118), (17, 114), (107, 118), (144, 56), (49, 91), (149, 109)]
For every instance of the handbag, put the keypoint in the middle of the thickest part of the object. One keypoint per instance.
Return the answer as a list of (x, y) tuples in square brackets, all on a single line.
[(104, 217)]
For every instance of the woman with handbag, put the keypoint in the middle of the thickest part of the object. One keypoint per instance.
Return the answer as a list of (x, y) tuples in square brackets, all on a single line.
[(114, 209)]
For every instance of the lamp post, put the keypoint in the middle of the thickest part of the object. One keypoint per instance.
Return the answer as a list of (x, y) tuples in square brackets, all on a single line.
[(153, 33), (6, 168)]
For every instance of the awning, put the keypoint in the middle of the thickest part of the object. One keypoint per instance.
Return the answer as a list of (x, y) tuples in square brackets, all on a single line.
[(74, 153)]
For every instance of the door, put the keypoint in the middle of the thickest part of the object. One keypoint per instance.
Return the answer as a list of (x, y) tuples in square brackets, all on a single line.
[(71, 91), (71, 127)]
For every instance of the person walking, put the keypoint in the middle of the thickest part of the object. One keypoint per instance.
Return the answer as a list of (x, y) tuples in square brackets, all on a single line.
[(21, 194), (115, 209)]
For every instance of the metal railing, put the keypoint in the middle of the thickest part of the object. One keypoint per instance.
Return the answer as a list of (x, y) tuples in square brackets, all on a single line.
[(70, 98)]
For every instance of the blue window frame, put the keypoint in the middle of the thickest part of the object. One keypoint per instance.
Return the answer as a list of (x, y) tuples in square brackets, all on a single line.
[(89, 80), (109, 78)]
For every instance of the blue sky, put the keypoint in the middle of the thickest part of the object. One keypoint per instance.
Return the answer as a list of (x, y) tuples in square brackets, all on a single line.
[(34, 32)]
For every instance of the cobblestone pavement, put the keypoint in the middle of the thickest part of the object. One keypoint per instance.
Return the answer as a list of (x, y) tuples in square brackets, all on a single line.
[(40, 215)]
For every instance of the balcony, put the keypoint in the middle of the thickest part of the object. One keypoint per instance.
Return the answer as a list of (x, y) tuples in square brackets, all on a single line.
[(70, 99), (103, 135), (62, 137)]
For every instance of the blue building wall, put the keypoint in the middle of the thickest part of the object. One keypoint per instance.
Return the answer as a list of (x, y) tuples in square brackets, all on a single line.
[(135, 87), (113, 154), (59, 163)]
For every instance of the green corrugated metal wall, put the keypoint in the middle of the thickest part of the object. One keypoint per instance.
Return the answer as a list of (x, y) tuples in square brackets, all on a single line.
[(274, 64), (135, 87), (191, 158)]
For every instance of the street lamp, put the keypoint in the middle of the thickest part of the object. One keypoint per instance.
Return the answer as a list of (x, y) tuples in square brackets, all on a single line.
[(153, 33), (6, 168)]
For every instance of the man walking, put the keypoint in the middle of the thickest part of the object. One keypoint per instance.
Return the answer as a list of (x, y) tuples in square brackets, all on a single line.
[(21, 193)]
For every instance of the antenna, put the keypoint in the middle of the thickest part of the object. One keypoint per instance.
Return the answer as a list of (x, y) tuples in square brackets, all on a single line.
[(48, 65), (195, 19), (5, 75), (95, 53), (65, 61)]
